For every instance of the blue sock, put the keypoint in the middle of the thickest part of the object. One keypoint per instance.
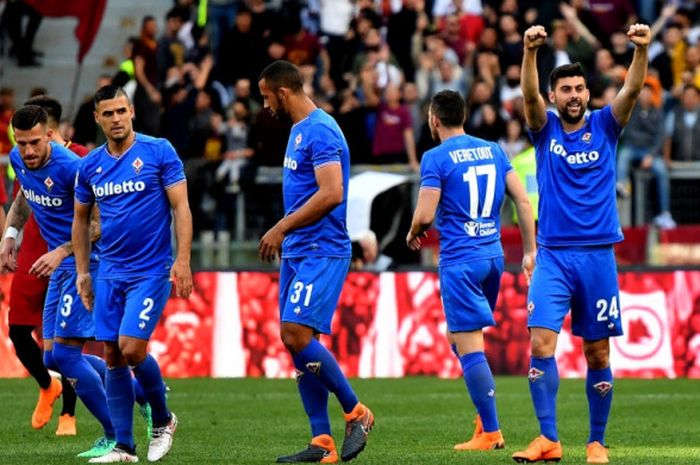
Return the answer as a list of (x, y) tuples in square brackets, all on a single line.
[(544, 384), (101, 367), (48, 360), (98, 364), (120, 399), (454, 350), (320, 362), (482, 389), (150, 379), (314, 396), (599, 390), (86, 382)]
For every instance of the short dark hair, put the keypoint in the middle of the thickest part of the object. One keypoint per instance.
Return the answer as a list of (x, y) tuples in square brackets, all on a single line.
[(51, 105), (29, 116), (108, 93), (449, 107), (282, 73), (564, 71)]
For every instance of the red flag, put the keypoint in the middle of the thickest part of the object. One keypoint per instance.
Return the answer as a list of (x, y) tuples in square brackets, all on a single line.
[(88, 12)]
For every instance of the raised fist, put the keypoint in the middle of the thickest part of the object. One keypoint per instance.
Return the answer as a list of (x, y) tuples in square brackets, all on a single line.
[(534, 37), (639, 34)]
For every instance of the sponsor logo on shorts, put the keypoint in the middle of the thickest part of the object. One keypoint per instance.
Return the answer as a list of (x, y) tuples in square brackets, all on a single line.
[(603, 388), (297, 310), (142, 325), (534, 374), (314, 367)]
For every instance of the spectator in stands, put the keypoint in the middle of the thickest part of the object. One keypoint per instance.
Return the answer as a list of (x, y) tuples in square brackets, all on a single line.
[(7, 109), (147, 98), (670, 63), (220, 17), (514, 141), (246, 45), (85, 130), (393, 131), (683, 129), (170, 49), (641, 144), (612, 16), (21, 32)]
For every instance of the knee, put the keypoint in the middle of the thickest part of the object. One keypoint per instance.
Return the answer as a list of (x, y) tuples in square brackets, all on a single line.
[(132, 353), (294, 338), (543, 344), (113, 355), (597, 358)]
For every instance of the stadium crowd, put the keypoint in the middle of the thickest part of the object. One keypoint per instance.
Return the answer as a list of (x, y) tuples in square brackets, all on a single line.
[(374, 65)]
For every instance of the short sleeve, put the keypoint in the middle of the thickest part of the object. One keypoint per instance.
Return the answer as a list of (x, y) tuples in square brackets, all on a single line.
[(326, 146), (172, 171), (537, 136), (608, 122), (83, 193), (502, 159), (429, 173)]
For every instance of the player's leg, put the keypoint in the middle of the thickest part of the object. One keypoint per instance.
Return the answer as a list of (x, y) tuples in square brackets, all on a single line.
[(314, 395), (469, 293), (108, 312), (549, 300), (596, 318), (47, 397), (312, 298), (145, 301), (29, 354)]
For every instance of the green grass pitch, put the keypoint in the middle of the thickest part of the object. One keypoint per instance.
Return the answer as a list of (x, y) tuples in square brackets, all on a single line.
[(252, 421)]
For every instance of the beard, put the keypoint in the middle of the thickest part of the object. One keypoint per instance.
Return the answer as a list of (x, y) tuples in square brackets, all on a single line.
[(570, 118)]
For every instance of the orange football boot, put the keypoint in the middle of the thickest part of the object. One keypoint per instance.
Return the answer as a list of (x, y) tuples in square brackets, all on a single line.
[(596, 453), (541, 449), (66, 425), (44, 406)]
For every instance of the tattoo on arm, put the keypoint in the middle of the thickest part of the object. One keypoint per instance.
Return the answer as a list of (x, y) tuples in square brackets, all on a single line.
[(19, 212)]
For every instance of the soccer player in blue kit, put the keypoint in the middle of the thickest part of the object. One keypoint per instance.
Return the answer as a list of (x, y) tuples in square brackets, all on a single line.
[(46, 173), (464, 180), (136, 181), (315, 256), (578, 225)]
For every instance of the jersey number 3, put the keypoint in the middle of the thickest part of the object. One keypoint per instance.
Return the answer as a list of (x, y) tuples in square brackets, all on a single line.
[(470, 177)]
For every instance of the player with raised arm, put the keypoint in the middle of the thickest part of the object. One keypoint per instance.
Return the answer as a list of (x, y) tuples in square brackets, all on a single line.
[(464, 181), (136, 181), (315, 256), (578, 225), (46, 173)]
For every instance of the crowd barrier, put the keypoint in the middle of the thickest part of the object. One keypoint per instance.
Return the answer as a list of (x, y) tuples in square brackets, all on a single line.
[(391, 325)]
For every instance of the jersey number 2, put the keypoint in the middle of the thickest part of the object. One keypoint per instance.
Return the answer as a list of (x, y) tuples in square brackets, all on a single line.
[(147, 306), (470, 177)]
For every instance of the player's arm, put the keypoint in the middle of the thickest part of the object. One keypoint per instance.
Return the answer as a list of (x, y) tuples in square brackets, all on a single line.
[(180, 272), (423, 216), (623, 103), (16, 218), (329, 195), (47, 263), (526, 221), (535, 108), (80, 238)]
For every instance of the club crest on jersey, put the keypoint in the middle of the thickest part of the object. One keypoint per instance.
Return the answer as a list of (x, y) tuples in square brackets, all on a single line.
[(48, 182), (586, 137), (534, 374), (137, 165), (314, 367), (297, 141), (297, 375), (603, 388), (530, 307)]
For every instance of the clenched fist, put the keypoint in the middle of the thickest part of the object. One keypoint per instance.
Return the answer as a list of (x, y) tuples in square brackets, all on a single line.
[(534, 37), (639, 35)]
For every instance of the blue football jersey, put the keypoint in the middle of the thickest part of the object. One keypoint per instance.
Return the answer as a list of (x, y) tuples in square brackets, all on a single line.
[(576, 179), (314, 142), (471, 176), (49, 192), (130, 191)]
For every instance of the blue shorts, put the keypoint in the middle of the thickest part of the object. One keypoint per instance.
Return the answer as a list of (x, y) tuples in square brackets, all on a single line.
[(309, 290), (64, 313), (129, 306), (583, 279), (469, 292)]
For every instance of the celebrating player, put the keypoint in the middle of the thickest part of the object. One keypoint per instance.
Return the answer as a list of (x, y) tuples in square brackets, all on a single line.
[(315, 251), (464, 180), (135, 180), (46, 173), (578, 224)]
